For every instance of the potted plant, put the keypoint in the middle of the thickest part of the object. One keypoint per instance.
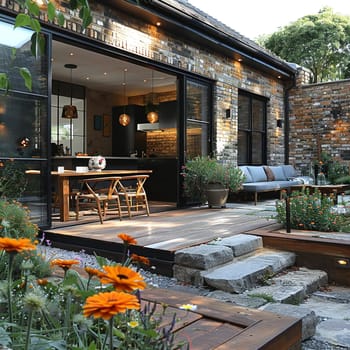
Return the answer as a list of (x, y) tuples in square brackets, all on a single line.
[(207, 180)]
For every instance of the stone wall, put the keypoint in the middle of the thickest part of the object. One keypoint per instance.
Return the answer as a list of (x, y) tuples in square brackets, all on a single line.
[(319, 122)]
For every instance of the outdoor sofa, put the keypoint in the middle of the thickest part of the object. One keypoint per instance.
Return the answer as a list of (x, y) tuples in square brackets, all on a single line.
[(265, 178)]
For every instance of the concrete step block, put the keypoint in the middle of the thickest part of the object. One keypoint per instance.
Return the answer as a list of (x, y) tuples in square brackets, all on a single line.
[(245, 274), (241, 244), (204, 256)]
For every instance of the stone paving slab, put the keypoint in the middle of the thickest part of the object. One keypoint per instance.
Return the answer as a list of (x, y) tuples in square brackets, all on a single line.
[(308, 317), (334, 331), (328, 309), (241, 244), (245, 274)]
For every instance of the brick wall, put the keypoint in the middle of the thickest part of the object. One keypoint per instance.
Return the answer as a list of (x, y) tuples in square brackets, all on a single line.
[(313, 125)]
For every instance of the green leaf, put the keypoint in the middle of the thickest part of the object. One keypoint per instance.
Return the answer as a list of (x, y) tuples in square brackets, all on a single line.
[(32, 7), (4, 82), (22, 20), (35, 25), (60, 19), (25, 73), (51, 11)]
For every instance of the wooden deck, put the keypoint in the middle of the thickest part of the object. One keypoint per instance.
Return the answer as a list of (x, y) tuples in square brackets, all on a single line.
[(222, 326), (158, 236)]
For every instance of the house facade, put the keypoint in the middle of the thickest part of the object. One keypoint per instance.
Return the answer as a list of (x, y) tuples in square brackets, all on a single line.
[(215, 92)]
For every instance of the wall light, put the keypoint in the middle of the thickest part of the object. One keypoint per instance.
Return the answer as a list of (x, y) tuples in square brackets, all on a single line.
[(279, 123), (343, 262), (336, 111)]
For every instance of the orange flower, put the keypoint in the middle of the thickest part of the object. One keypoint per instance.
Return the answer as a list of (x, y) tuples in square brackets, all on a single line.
[(65, 264), (127, 239), (18, 245), (42, 281), (106, 305), (93, 272), (140, 259), (123, 278)]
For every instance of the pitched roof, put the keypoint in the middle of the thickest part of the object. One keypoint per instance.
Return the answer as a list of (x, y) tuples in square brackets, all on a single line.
[(219, 35)]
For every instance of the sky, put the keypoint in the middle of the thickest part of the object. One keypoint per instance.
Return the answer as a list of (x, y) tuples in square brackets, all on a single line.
[(252, 18)]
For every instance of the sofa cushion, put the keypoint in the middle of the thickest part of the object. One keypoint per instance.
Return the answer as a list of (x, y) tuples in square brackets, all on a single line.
[(278, 172), (289, 171), (245, 170), (269, 174), (261, 186), (257, 173)]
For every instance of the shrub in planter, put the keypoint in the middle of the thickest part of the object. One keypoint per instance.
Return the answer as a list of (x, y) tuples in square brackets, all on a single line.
[(199, 172), (310, 212)]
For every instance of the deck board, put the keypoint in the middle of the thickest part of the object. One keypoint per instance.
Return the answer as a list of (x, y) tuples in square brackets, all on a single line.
[(224, 326)]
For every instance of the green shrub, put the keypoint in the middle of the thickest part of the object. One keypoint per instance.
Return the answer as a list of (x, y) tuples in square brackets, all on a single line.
[(310, 212), (15, 223)]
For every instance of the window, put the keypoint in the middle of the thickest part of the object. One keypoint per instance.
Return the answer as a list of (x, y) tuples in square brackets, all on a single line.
[(197, 119), (251, 129), (67, 134)]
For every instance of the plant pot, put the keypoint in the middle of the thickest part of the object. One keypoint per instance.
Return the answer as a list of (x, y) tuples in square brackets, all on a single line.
[(217, 196)]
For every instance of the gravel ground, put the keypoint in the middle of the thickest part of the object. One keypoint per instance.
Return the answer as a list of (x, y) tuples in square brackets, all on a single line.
[(152, 279)]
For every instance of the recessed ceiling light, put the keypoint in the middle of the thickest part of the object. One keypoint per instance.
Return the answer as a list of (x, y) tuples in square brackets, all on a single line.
[(105, 73), (87, 78), (71, 54), (158, 24)]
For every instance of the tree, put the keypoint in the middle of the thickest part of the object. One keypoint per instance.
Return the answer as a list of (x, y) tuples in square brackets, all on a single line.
[(319, 42), (29, 18)]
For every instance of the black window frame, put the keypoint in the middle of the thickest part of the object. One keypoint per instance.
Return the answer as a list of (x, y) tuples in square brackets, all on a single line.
[(249, 131)]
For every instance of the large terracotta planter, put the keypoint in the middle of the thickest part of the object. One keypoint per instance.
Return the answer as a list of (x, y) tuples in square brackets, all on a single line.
[(217, 196)]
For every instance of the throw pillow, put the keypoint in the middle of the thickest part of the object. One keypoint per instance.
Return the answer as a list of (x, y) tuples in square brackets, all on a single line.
[(269, 174)]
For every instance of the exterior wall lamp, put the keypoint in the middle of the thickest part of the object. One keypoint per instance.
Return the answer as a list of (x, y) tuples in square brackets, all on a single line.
[(336, 112)]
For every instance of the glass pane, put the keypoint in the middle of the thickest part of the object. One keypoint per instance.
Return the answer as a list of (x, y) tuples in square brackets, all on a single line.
[(28, 185), (197, 97), (258, 115), (243, 112), (68, 134), (243, 147), (197, 114), (19, 39), (257, 148), (23, 127)]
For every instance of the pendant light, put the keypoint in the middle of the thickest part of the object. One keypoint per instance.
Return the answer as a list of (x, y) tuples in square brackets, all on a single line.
[(152, 116), (70, 111), (124, 119)]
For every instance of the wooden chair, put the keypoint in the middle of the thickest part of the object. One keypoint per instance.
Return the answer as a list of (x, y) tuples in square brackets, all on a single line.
[(100, 193), (131, 190)]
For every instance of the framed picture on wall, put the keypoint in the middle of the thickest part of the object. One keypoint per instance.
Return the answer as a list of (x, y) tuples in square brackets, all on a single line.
[(107, 125), (98, 122)]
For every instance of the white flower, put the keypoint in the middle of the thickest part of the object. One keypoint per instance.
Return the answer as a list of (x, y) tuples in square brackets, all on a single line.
[(189, 307)]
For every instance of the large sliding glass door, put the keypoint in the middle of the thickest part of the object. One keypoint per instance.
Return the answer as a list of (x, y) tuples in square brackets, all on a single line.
[(24, 138)]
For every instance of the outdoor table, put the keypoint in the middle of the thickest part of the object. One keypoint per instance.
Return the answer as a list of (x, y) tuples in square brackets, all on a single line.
[(64, 184)]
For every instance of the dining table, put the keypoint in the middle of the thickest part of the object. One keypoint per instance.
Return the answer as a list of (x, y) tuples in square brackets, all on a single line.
[(64, 178)]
